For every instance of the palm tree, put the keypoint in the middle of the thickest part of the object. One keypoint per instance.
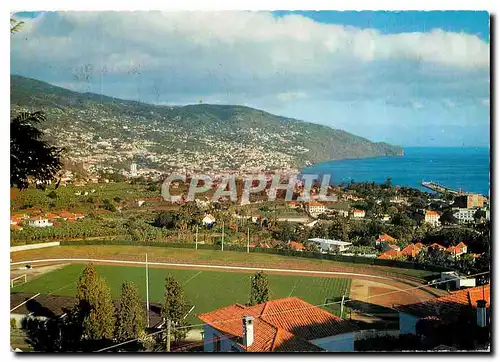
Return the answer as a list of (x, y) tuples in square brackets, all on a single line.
[(30, 156), (15, 25)]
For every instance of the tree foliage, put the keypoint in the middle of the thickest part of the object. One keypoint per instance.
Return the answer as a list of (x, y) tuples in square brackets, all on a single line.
[(31, 157), (259, 290), (131, 318), (15, 25), (175, 306), (95, 306)]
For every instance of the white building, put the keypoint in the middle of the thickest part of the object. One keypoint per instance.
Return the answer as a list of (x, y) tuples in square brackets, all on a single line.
[(358, 214), (340, 212), (330, 245), (208, 220), (464, 215), (315, 208), (39, 222), (460, 281), (133, 169), (431, 217), (240, 328)]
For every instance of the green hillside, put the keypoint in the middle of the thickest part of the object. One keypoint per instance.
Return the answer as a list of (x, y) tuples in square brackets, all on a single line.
[(225, 132)]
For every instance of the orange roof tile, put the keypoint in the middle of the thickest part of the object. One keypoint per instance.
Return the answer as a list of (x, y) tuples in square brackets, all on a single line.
[(15, 227), (391, 254), (386, 237), (431, 213), (411, 250), (437, 246), (449, 306), (296, 246), (285, 324)]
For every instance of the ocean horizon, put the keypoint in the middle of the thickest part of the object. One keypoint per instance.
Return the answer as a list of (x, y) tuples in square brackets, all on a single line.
[(464, 168)]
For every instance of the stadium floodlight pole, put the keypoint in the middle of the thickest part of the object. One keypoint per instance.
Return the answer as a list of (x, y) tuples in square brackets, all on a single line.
[(147, 289), (26, 301), (222, 236), (196, 240), (248, 239)]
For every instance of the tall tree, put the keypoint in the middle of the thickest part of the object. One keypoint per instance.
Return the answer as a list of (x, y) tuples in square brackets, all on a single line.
[(95, 308), (30, 156), (175, 306), (100, 324), (259, 290), (131, 318)]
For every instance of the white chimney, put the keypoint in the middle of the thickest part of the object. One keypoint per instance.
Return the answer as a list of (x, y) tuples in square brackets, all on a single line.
[(247, 331), (481, 313)]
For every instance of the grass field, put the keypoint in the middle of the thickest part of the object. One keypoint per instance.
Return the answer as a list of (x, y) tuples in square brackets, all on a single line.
[(206, 290), (180, 255)]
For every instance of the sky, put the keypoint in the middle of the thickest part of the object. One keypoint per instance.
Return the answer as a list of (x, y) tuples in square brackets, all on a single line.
[(406, 78)]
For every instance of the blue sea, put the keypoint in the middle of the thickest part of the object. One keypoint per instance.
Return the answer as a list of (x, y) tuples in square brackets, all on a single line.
[(467, 169)]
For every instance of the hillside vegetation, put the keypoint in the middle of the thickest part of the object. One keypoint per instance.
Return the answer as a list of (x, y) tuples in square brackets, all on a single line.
[(114, 131)]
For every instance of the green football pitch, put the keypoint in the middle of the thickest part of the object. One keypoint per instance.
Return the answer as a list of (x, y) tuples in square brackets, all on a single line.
[(206, 290)]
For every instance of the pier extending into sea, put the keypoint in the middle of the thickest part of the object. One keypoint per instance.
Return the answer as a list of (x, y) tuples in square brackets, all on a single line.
[(434, 186)]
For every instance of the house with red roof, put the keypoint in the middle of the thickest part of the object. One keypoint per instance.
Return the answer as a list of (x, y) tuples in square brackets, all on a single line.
[(280, 325), (458, 249), (296, 246), (447, 308), (411, 250), (315, 208), (39, 222), (437, 246), (385, 238), (358, 214), (432, 217), (391, 254)]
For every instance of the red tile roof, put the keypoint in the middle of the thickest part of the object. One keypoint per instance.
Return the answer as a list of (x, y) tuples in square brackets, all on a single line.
[(411, 250), (391, 254), (449, 306), (431, 213), (285, 324), (437, 246), (296, 246), (386, 237)]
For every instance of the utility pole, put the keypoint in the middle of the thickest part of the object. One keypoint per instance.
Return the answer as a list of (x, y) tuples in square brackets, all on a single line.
[(196, 242), (342, 306), (169, 326), (147, 289), (222, 235), (248, 239)]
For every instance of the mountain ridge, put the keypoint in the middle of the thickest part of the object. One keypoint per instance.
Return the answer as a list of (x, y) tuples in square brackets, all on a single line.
[(233, 136)]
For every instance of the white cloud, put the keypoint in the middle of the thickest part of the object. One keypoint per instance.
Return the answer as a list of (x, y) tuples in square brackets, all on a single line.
[(245, 55)]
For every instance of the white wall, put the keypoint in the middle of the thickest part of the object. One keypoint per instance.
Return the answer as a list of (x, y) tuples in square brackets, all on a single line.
[(341, 343), (407, 323)]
